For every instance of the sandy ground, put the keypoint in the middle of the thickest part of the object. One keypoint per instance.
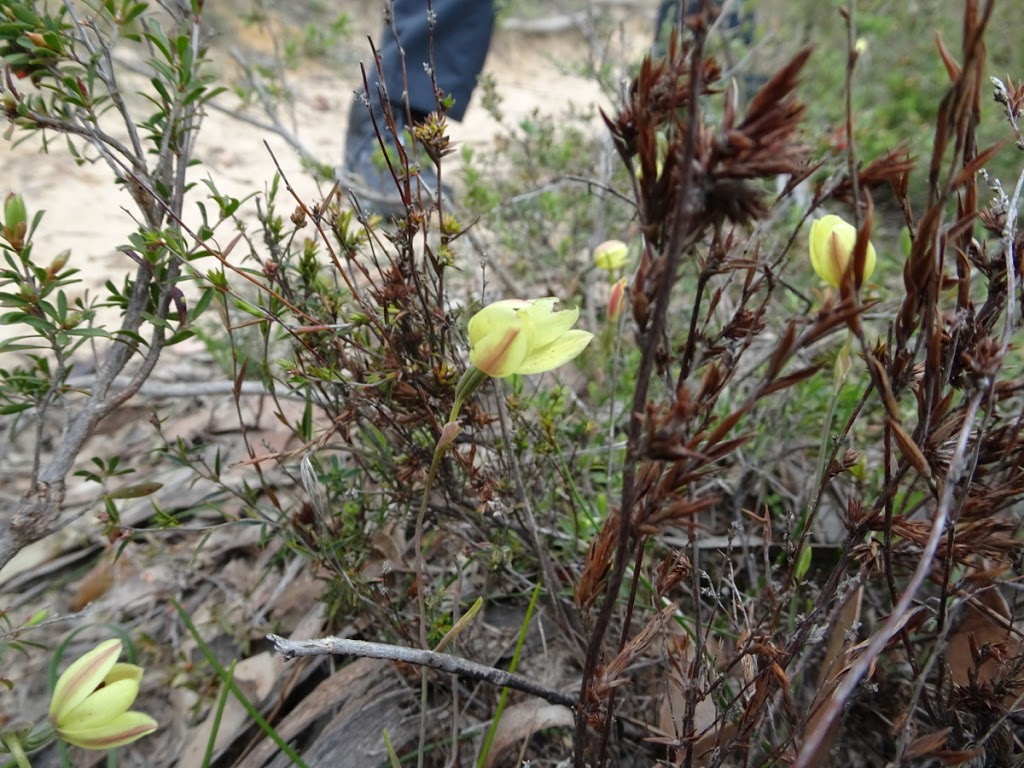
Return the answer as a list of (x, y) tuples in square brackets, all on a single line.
[(88, 213)]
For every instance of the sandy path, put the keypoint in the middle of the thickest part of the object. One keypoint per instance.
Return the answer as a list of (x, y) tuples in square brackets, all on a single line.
[(89, 214)]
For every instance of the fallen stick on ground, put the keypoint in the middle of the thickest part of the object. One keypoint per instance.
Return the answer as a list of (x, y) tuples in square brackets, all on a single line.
[(441, 661)]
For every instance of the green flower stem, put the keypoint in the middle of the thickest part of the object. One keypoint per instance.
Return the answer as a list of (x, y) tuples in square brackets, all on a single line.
[(470, 381), (801, 561), (503, 699), (13, 745), (19, 742)]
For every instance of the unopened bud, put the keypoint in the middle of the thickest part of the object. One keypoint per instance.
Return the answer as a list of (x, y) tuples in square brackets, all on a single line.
[(58, 263), (832, 243), (617, 299), (611, 255), (14, 210), (15, 223)]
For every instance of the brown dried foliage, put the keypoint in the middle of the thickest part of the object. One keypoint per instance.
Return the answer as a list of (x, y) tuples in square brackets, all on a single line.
[(944, 409)]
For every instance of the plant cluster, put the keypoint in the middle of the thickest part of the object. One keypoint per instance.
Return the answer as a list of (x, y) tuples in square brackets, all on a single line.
[(757, 520)]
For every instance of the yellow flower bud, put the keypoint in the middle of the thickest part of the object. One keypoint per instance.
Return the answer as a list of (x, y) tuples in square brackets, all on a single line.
[(611, 255), (831, 244)]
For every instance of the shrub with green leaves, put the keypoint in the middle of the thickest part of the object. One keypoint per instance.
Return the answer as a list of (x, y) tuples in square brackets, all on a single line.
[(61, 77)]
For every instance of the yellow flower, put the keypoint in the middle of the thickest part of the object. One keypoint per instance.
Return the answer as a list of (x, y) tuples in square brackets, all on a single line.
[(517, 336), (611, 255), (832, 242), (90, 704)]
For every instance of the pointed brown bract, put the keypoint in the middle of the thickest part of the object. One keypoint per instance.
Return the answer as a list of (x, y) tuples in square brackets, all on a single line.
[(890, 170), (762, 145), (592, 580), (654, 135)]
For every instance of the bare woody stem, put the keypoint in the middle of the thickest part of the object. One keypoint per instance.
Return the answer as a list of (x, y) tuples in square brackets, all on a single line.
[(444, 662)]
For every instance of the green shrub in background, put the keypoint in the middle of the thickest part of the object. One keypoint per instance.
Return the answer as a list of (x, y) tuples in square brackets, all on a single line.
[(901, 78), (74, 88)]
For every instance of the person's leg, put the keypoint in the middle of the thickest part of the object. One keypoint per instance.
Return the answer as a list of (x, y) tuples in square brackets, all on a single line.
[(668, 17), (455, 46), (453, 38)]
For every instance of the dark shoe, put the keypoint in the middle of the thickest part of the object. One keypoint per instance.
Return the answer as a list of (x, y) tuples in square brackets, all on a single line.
[(365, 171)]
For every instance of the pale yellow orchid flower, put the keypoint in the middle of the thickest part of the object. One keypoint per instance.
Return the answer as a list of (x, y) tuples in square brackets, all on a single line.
[(524, 336), (90, 704)]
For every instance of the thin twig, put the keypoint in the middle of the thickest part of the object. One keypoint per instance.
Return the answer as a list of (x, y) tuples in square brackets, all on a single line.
[(444, 662), (174, 389)]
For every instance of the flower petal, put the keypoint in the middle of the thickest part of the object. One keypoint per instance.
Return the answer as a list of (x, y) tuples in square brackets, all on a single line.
[(819, 247), (557, 353), (494, 318), (500, 353), (106, 704), (544, 323), (869, 262), (122, 671), (123, 729), (82, 678)]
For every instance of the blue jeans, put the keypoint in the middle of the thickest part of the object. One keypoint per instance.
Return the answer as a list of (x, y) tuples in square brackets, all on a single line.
[(455, 48)]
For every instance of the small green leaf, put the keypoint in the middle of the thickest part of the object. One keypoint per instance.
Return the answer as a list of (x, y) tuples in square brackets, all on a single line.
[(7, 410), (803, 563), (136, 491)]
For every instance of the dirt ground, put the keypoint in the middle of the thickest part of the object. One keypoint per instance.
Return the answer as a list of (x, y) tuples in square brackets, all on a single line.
[(86, 212)]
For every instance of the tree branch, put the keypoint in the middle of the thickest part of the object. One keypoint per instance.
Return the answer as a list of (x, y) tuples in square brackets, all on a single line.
[(443, 662)]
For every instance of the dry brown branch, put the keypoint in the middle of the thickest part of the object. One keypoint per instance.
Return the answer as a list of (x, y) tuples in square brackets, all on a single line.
[(443, 662)]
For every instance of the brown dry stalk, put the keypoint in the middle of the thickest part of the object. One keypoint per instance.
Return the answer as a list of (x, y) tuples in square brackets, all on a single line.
[(443, 662)]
